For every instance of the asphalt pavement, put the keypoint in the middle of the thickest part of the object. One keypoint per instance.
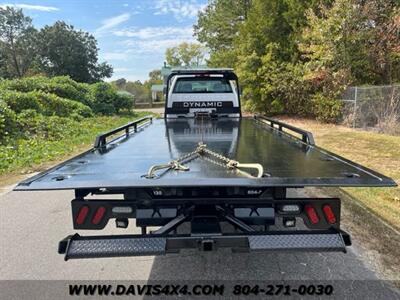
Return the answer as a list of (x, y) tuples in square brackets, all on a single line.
[(32, 224)]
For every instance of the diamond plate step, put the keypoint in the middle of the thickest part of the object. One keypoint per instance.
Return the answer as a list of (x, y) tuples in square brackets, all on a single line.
[(76, 246), (113, 247), (316, 242)]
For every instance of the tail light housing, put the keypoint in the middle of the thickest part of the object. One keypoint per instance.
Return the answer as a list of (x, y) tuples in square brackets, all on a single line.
[(99, 214), (82, 214), (329, 215), (311, 214)]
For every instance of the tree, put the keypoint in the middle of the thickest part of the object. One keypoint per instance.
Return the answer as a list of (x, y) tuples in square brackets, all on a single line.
[(333, 40), (185, 54), (217, 27), (140, 92), (350, 42), (120, 83), (297, 56), (55, 50), (154, 78), (155, 75), (17, 43), (263, 46), (384, 44), (66, 51), (3, 63), (356, 37)]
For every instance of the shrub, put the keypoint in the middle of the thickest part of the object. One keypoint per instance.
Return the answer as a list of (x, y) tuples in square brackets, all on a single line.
[(326, 109), (26, 84), (41, 102), (28, 122), (65, 87), (62, 86), (8, 122), (293, 90), (31, 124), (123, 101), (76, 117), (55, 128), (46, 94), (54, 105), (19, 101), (107, 101), (271, 86)]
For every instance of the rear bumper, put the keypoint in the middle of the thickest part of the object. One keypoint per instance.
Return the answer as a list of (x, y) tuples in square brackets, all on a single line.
[(77, 246)]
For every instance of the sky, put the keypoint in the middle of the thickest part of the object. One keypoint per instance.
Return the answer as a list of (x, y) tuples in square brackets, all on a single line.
[(132, 34)]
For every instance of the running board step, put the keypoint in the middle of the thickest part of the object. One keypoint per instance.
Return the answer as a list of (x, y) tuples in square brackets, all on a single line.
[(298, 242), (77, 246), (109, 246)]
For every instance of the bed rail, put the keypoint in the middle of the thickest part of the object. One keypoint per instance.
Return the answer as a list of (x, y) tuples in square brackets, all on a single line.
[(101, 140), (307, 136)]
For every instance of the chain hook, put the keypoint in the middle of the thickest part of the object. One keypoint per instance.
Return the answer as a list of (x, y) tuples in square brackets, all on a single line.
[(201, 149)]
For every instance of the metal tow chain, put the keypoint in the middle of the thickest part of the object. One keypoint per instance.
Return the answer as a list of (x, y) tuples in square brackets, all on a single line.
[(201, 150)]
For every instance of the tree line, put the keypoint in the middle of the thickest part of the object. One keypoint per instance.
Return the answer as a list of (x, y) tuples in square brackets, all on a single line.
[(184, 54), (140, 90), (54, 50), (296, 56)]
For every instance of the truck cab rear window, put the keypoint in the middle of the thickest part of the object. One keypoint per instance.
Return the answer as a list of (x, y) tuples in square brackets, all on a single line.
[(202, 85)]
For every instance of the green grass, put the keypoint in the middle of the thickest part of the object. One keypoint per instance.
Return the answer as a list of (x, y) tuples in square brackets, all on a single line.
[(38, 152), (376, 151)]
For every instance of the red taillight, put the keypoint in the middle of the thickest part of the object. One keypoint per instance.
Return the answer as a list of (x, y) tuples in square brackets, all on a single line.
[(98, 216), (312, 214), (330, 216), (82, 215)]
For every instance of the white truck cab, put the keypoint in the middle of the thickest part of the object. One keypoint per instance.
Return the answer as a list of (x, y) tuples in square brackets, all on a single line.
[(202, 91)]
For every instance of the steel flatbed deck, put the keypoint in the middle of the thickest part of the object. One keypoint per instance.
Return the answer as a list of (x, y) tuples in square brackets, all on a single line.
[(204, 177), (288, 155)]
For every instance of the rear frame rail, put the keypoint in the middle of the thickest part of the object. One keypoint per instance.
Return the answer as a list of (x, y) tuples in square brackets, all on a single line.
[(171, 213)]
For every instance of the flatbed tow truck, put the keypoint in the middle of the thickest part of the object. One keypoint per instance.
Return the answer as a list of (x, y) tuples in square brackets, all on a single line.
[(204, 177)]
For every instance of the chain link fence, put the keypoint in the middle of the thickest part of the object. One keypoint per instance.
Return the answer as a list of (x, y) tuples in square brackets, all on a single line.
[(372, 107)]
